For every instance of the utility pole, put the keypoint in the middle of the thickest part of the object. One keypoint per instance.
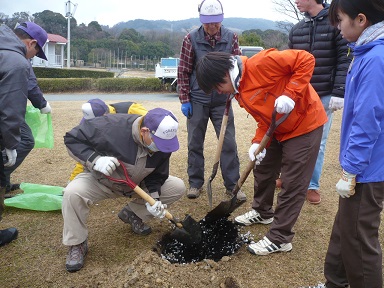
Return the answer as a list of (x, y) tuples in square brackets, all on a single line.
[(69, 15)]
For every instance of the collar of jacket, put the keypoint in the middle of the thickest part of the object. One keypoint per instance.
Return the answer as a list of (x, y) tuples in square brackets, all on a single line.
[(319, 17)]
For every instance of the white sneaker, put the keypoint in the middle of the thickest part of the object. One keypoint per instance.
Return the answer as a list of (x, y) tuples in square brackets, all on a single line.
[(320, 285), (265, 247), (252, 217)]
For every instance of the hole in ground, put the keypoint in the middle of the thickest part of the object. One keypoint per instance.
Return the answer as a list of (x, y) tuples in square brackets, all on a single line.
[(220, 238)]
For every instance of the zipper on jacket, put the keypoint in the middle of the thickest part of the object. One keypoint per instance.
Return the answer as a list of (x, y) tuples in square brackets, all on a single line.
[(256, 111)]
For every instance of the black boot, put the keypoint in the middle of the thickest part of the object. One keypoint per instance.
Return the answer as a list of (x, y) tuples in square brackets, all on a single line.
[(8, 235)]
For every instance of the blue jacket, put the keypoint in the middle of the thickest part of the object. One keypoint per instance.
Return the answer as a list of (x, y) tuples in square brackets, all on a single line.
[(362, 129)]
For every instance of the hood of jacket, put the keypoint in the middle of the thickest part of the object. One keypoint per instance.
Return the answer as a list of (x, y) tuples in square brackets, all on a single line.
[(10, 41), (371, 33), (371, 36)]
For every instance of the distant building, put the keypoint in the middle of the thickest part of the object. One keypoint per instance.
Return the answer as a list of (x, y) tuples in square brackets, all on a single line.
[(54, 50)]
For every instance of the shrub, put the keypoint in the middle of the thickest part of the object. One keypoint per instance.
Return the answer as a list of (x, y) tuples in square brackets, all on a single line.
[(128, 84), (45, 72), (65, 85), (55, 85)]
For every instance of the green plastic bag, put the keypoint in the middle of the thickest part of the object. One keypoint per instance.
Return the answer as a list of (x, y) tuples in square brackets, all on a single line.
[(37, 197), (41, 126)]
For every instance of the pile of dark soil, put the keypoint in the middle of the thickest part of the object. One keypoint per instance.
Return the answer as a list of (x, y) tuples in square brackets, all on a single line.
[(219, 238)]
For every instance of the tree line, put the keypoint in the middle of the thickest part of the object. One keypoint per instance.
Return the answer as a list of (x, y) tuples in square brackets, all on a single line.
[(103, 45)]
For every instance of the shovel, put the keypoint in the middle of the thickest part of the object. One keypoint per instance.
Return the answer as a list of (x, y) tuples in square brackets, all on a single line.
[(227, 207), (219, 148), (188, 231)]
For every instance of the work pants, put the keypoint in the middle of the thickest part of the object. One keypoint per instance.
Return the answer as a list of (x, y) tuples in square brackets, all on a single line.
[(197, 128), (25, 146), (85, 190), (354, 255), (295, 158)]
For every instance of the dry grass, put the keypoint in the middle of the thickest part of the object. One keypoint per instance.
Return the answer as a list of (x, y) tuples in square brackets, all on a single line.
[(119, 258)]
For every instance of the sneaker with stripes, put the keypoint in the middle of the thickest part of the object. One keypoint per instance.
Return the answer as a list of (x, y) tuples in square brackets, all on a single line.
[(265, 247), (252, 217)]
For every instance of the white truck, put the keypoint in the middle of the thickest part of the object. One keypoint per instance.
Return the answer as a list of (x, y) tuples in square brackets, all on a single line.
[(249, 51), (166, 71)]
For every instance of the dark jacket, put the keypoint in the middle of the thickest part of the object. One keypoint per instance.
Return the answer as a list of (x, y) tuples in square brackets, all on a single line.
[(317, 36), (34, 93), (118, 135), (201, 47), (14, 74)]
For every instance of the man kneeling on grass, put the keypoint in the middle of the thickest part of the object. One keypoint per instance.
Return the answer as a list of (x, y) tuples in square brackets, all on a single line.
[(143, 144)]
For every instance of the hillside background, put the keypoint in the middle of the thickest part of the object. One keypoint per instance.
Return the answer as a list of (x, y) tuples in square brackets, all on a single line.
[(238, 25), (143, 42)]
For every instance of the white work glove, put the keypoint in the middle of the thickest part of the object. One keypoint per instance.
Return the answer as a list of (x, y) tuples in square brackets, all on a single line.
[(346, 185), (157, 209), (259, 157), (47, 109), (106, 165), (336, 103), (11, 155), (284, 104)]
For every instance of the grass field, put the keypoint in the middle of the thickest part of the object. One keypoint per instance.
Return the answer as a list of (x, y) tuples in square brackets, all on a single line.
[(119, 258)]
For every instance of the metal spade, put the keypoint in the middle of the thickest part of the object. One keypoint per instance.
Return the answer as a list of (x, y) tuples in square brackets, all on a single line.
[(187, 231)]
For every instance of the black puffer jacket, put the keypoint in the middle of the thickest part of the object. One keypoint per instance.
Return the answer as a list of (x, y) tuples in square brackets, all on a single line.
[(324, 41)]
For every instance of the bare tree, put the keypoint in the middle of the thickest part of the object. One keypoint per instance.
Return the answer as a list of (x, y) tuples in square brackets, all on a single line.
[(3, 17), (287, 8)]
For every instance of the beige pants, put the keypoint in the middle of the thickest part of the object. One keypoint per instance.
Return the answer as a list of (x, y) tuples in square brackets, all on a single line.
[(85, 190)]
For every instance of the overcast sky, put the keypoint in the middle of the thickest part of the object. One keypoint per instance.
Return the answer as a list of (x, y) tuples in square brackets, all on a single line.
[(111, 12)]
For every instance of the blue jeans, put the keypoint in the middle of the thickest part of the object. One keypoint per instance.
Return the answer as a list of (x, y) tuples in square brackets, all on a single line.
[(314, 184)]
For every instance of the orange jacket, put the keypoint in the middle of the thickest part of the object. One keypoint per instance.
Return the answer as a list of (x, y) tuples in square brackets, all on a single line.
[(272, 73)]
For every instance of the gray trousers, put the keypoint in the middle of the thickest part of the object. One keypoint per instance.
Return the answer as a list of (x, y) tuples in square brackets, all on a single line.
[(197, 128), (295, 158), (354, 255), (85, 190)]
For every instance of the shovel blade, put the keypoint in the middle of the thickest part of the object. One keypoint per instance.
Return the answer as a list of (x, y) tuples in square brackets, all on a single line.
[(191, 232), (224, 209)]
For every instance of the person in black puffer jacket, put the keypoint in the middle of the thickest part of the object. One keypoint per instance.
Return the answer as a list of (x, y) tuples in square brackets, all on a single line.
[(316, 35)]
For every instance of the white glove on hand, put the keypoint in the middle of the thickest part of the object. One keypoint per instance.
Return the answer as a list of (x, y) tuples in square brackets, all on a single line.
[(11, 155), (47, 109), (346, 185), (259, 157), (106, 165), (157, 209), (336, 103), (284, 104)]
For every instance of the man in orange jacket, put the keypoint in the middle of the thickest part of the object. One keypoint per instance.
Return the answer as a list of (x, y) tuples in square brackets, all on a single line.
[(271, 80)]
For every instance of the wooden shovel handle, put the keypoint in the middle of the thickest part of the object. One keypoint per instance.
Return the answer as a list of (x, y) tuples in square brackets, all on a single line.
[(144, 195), (260, 148), (152, 201), (223, 128)]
